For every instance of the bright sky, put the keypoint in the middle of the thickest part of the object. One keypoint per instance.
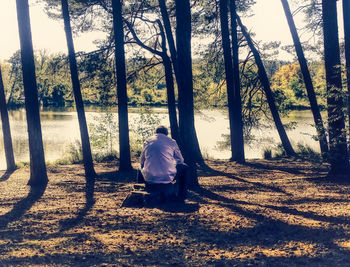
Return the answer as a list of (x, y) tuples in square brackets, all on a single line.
[(268, 23)]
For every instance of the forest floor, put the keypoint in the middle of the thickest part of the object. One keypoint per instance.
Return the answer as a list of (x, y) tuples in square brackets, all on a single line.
[(264, 213)]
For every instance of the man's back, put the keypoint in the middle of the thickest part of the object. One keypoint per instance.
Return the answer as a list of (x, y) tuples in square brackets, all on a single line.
[(159, 158)]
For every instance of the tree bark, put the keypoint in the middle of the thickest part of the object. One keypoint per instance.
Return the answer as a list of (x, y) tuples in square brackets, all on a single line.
[(238, 154), (268, 92), (185, 86), (38, 174), (169, 34), (338, 154), (225, 35), (124, 141), (346, 19), (6, 130), (321, 132), (169, 79), (85, 142)]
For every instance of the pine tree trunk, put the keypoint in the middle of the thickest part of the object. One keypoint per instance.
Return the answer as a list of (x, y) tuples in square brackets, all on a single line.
[(238, 154), (87, 157), (10, 159), (169, 79), (346, 19), (169, 34), (338, 154), (171, 99), (268, 92), (124, 141), (38, 174), (185, 86), (321, 132), (225, 35)]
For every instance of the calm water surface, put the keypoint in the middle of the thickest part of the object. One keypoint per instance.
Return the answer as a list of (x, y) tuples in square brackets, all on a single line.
[(60, 129)]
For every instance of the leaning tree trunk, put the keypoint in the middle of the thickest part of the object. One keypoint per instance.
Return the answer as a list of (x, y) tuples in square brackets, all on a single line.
[(38, 174), (169, 34), (85, 142), (346, 19), (169, 80), (6, 131), (124, 141), (185, 86), (321, 132), (238, 154), (268, 92), (338, 154)]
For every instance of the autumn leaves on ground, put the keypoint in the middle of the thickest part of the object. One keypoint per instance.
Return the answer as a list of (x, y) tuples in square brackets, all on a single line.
[(277, 213)]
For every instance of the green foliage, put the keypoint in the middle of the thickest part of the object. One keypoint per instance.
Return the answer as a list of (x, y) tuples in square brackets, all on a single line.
[(307, 152), (103, 135), (142, 128), (74, 155), (279, 151), (267, 153)]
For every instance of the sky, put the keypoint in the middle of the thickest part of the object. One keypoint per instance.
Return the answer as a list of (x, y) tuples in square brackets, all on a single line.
[(268, 23)]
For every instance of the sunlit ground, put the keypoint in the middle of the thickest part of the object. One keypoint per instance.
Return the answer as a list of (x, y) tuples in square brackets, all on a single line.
[(275, 213)]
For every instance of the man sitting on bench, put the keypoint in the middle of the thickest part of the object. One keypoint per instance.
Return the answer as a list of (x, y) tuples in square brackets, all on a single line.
[(162, 163)]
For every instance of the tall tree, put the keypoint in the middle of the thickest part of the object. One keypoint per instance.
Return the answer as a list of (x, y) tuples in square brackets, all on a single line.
[(169, 33), (185, 86), (85, 142), (268, 92), (321, 132), (174, 59), (338, 154), (38, 174), (10, 159), (124, 141), (238, 154), (346, 19), (169, 80), (230, 84)]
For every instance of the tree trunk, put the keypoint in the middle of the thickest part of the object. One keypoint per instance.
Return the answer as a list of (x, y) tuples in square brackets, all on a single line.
[(269, 95), (169, 79), (6, 130), (185, 86), (238, 154), (321, 132), (346, 19), (87, 158), (169, 34), (124, 142), (338, 154), (225, 35), (38, 174)]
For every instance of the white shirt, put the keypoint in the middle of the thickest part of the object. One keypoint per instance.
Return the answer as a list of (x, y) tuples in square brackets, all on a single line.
[(159, 158)]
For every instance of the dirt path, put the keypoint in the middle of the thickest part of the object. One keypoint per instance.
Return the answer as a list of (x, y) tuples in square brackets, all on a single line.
[(274, 213)]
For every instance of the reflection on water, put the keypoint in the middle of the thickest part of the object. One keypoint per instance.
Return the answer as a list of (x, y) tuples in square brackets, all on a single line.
[(60, 129)]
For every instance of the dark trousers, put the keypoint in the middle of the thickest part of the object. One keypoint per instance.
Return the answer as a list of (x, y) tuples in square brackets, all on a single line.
[(181, 178)]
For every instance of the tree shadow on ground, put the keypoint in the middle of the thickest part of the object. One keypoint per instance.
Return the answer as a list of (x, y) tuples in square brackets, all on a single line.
[(89, 203), (229, 203), (213, 172), (6, 176), (20, 208), (268, 231), (118, 176), (292, 170)]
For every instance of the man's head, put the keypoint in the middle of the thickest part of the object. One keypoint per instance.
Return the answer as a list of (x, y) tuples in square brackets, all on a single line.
[(162, 130)]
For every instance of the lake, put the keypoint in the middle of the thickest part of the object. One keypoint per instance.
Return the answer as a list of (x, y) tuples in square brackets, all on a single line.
[(60, 129)]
